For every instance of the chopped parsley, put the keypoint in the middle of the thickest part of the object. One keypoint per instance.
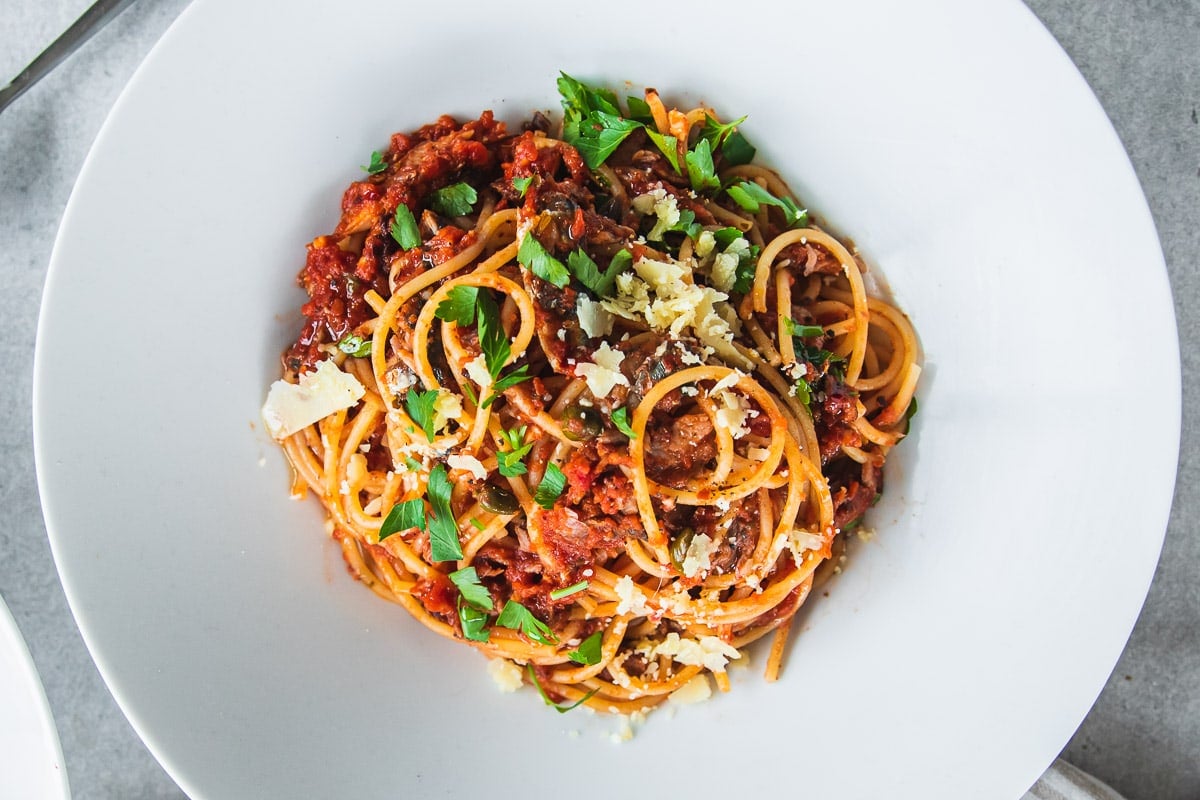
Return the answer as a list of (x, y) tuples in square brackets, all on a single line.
[(620, 418), (522, 184), (443, 530), (751, 197), (729, 140), (459, 305), (474, 622), (567, 591), (588, 272), (515, 376), (534, 257), (404, 228), (804, 331), (519, 618), (473, 592), (509, 461), (355, 346), (493, 341), (376, 165), (552, 485), (420, 408), (667, 145), (403, 516), (639, 110), (455, 200), (588, 652), (701, 171)]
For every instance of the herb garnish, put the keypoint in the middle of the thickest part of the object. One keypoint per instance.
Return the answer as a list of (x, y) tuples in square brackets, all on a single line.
[(509, 461), (589, 650), (567, 591), (376, 165), (455, 200), (519, 618), (420, 408), (356, 346), (404, 228), (443, 531), (620, 418), (751, 197), (552, 485), (403, 516)]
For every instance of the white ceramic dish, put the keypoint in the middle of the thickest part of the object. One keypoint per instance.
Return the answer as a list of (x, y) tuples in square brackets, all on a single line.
[(31, 762), (953, 658)]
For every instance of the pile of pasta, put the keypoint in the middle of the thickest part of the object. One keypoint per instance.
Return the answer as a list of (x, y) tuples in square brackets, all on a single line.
[(603, 411)]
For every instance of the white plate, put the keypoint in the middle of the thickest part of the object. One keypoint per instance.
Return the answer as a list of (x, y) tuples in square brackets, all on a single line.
[(955, 656), (31, 762)]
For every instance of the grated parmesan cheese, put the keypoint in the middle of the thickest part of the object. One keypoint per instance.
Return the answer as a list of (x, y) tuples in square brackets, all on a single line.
[(448, 406), (505, 673), (594, 319), (662, 205), (697, 690), (292, 407), (605, 373), (706, 651), (477, 371), (631, 599), (697, 558), (470, 464)]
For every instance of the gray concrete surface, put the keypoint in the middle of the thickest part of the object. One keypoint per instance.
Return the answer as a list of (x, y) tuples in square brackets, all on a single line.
[(1141, 58)]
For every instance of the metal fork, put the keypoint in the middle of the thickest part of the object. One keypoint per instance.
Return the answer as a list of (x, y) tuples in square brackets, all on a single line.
[(95, 18)]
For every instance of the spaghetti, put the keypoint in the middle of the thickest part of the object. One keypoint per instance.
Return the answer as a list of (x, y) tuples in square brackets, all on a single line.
[(602, 404)]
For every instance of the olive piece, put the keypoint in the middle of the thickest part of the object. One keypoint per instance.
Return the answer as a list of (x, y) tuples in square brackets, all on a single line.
[(579, 423), (499, 501), (679, 547)]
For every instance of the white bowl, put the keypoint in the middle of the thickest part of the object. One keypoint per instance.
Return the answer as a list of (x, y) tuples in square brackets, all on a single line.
[(958, 651)]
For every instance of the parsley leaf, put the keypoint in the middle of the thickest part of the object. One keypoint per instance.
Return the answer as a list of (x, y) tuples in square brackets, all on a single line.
[(729, 140), (620, 418), (534, 257), (687, 224), (403, 516), (473, 592), (459, 305), (579, 99), (404, 228), (519, 618), (639, 110), (412, 464), (588, 653), (700, 168), (668, 145), (518, 375), (552, 485), (567, 591), (588, 273), (420, 408), (598, 135), (355, 346), (737, 150), (509, 461), (804, 393), (474, 622), (455, 200), (551, 703), (750, 196), (376, 165), (522, 184), (493, 341), (443, 530), (804, 331)]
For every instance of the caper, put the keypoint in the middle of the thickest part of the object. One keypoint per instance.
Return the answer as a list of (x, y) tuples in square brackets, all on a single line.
[(679, 547), (580, 422), (499, 501)]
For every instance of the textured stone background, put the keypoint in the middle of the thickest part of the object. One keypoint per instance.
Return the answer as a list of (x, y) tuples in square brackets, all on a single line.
[(1141, 58)]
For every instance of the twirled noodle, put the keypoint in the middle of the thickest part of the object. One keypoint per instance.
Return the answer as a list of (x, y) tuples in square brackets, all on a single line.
[(611, 472)]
